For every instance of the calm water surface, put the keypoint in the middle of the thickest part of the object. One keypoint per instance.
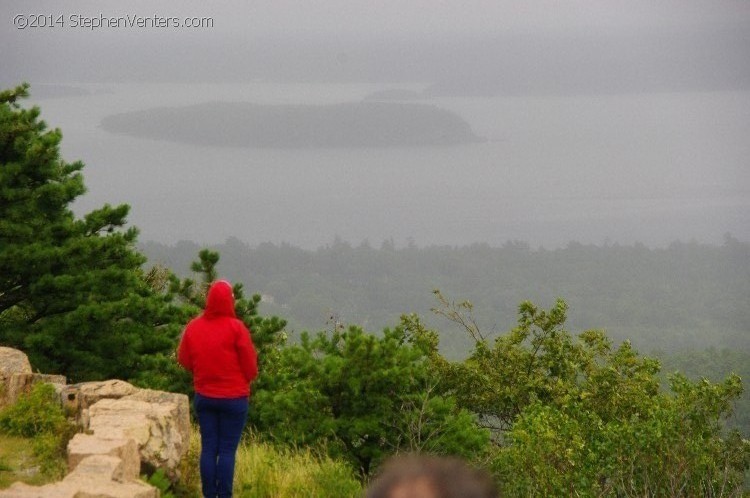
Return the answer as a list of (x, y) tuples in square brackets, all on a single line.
[(638, 168)]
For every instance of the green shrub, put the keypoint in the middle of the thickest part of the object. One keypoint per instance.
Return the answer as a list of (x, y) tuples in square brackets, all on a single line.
[(38, 415), (49, 452), (38, 412), (160, 481), (189, 484)]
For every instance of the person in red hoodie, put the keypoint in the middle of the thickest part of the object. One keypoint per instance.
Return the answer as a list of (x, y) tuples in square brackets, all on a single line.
[(217, 348)]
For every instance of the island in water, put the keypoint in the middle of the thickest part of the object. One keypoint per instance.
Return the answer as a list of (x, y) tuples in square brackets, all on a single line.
[(347, 125)]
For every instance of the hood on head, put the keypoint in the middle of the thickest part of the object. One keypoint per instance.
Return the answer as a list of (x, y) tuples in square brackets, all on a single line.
[(220, 300)]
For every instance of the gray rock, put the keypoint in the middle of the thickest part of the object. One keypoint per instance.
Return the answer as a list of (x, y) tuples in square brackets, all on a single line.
[(84, 445), (97, 476), (16, 376), (155, 427), (13, 361)]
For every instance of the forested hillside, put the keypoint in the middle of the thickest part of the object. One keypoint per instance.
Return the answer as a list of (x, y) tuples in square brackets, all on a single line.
[(687, 303), (683, 297)]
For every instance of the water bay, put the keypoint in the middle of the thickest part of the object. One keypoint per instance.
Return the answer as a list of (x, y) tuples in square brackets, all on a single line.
[(648, 168)]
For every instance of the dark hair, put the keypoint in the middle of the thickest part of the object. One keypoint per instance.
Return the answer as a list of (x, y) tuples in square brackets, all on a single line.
[(418, 476)]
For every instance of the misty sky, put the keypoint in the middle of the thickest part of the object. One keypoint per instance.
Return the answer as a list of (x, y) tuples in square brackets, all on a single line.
[(374, 40), (394, 17)]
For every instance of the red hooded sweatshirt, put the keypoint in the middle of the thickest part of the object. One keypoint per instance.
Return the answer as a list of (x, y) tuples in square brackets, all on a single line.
[(216, 347)]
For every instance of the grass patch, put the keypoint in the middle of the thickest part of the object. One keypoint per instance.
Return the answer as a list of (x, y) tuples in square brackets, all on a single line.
[(189, 485), (263, 470), (38, 430), (18, 462)]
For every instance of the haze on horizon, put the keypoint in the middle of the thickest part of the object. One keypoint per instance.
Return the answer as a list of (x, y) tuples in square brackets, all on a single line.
[(364, 41), (547, 63)]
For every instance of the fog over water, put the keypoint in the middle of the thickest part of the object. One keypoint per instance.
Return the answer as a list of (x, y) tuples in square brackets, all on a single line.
[(604, 121), (648, 168)]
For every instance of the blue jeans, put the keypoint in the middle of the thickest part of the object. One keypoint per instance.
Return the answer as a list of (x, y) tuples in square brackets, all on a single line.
[(221, 421)]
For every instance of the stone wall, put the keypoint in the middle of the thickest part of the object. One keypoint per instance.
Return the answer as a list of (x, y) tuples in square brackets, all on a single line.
[(122, 430)]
